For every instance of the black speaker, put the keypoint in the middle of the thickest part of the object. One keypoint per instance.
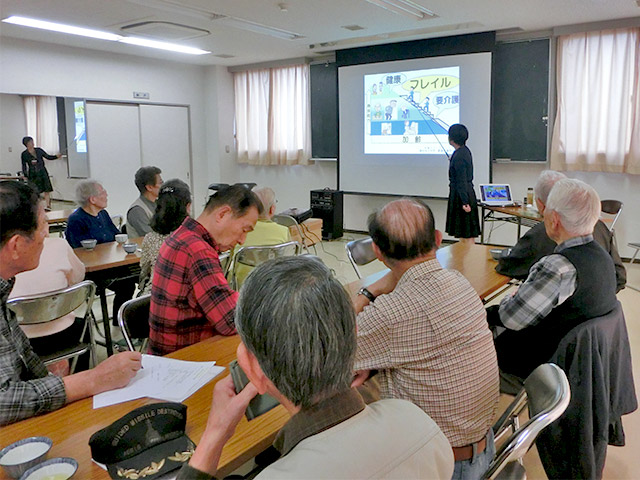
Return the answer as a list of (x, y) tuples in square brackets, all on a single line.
[(327, 205)]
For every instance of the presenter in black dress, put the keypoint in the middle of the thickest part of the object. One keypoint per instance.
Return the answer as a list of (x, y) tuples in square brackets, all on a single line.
[(33, 168), (462, 210)]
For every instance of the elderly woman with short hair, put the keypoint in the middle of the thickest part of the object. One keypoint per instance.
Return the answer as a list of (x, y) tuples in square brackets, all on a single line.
[(91, 220)]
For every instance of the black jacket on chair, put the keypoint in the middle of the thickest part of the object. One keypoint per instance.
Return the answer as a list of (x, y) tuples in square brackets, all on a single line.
[(596, 357)]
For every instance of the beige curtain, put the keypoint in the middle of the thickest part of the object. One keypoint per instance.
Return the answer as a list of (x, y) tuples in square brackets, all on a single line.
[(597, 127), (41, 114), (272, 116)]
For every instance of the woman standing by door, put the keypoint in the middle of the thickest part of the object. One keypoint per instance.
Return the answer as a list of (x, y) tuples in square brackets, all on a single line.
[(33, 168), (462, 210)]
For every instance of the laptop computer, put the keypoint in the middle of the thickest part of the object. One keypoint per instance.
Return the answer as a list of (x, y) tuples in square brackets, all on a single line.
[(496, 195)]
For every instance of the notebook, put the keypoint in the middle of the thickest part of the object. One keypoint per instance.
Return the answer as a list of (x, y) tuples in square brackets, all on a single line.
[(496, 195)]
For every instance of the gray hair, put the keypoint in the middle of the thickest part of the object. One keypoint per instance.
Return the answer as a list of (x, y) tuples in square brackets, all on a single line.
[(299, 323), (268, 198), (577, 204), (545, 183), (84, 190)]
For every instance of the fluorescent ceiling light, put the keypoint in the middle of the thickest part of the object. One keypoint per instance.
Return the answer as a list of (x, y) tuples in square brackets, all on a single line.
[(172, 47), (404, 7), (259, 28), (86, 32), (59, 27)]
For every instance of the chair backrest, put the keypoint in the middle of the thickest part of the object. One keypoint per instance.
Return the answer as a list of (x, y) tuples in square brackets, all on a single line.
[(613, 209), (289, 221), (117, 220), (360, 252), (254, 256), (133, 318), (45, 307), (546, 391)]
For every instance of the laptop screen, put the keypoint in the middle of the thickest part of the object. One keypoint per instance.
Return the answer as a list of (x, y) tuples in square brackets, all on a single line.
[(496, 194)]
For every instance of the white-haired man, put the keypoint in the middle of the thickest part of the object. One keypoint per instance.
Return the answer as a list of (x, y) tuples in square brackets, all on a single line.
[(536, 244), (574, 284)]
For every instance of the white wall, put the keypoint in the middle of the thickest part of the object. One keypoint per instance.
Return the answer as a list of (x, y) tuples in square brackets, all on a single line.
[(12, 129), (75, 72)]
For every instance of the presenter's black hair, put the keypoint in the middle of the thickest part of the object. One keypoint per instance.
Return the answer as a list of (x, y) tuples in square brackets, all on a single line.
[(458, 134), (26, 140), (18, 210)]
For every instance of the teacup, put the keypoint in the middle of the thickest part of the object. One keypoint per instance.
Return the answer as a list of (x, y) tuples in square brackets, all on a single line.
[(89, 244), (20, 456), (122, 238), (130, 247)]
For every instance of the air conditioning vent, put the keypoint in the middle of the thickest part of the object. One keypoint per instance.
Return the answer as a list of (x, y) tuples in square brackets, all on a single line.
[(167, 31)]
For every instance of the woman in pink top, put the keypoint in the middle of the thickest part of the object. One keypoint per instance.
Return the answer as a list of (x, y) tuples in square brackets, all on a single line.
[(59, 268)]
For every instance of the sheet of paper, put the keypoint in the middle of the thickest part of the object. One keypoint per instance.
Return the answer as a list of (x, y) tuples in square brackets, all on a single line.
[(164, 379)]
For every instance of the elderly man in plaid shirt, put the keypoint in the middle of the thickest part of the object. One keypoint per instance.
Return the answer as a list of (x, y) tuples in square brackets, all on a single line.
[(575, 283), (190, 297), (424, 329), (26, 388)]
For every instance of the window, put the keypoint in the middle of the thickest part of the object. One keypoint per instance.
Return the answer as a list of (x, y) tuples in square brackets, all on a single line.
[(597, 124), (272, 116), (41, 114)]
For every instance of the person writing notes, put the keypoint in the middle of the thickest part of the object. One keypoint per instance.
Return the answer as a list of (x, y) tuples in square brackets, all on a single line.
[(26, 388)]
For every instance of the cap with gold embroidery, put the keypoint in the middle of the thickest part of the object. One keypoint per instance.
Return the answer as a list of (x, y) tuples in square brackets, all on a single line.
[(145, 443)]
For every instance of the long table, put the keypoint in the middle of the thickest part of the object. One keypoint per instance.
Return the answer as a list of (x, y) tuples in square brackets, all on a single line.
[(105, 263), (57, 219), (519, 215), (70, 427), (473, 261)]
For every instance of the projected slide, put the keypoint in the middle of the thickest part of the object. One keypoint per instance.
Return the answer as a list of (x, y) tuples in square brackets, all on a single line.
[(80, 134), (410, 112)]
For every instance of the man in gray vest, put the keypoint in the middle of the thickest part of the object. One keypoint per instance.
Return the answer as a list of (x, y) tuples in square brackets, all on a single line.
[(577, 282), (148, 181)]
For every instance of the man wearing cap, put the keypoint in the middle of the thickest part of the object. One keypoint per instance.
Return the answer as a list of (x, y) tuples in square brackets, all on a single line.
[(26, 388), (298, 345), (190, 297), (148, 181), (536, 244), (424, 329)]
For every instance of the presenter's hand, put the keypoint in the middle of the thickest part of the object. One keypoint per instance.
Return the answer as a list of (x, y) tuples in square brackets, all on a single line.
[(466, 208), (59, 155)]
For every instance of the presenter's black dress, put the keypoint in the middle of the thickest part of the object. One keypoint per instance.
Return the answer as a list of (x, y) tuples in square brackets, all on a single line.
[(461, 224), (34, 169)]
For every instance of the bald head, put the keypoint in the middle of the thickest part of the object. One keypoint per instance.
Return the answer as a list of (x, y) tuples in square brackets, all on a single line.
[(403, 229)]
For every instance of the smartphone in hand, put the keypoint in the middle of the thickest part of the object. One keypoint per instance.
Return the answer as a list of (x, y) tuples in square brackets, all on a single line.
[(260, 403)]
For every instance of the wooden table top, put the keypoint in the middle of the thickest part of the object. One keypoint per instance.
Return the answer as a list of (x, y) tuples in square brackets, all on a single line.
[(107, 255), (59, 216), (473, 261), (520, 211), (71, 427)]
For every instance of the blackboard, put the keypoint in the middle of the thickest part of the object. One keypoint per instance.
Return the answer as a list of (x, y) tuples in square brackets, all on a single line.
[(520, 100), (324, 110)]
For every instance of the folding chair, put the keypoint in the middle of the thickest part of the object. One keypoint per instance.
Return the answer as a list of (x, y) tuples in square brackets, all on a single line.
[(360, 252), (46, 307), (289, 221), (546, 392), (254, 256), (133, 318)]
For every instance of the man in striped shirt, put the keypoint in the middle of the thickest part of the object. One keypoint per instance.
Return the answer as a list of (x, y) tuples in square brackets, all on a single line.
[(424, 329)]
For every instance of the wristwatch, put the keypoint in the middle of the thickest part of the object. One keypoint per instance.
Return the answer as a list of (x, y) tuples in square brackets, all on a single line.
[(367, 293)]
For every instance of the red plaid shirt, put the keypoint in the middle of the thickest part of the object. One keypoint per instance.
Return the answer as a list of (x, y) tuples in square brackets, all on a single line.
[(190, 297)]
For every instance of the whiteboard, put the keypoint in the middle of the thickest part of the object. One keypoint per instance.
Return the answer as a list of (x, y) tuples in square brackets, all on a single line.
[(113, 135), (164, 137)]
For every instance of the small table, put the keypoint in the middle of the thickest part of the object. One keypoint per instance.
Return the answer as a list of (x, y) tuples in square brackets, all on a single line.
[(57, 219), (473, 261), (311, 229), (70, 427), (105, 263), (519, 215)]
